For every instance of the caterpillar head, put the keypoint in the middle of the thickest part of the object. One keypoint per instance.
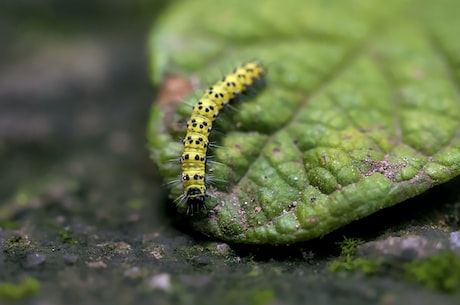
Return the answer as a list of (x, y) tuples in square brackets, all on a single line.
[(196, 200)]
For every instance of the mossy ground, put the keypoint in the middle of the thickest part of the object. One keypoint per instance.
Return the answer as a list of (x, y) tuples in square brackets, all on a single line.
[(440, 272), (348, 262), (10, 292)]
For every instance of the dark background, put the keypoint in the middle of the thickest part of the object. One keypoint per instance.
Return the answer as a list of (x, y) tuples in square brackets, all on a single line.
[(74, 93)]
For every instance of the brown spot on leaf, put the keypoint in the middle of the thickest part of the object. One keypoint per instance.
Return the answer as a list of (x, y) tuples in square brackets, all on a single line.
[(276, 151), (418, 74), (173, 90), (384, 167)]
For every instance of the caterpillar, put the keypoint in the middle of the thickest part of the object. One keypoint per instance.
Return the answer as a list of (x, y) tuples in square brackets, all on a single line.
[(199, 126)]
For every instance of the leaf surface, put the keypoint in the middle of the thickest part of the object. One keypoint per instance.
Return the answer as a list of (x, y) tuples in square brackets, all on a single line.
[(361, 109)]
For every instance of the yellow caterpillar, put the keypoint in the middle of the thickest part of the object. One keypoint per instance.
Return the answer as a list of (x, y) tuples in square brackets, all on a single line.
[(199, 126)]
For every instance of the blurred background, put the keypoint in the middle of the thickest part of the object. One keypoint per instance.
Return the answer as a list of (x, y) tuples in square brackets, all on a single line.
[(74, 95), (75, 174), (82, 208), (72, 74)]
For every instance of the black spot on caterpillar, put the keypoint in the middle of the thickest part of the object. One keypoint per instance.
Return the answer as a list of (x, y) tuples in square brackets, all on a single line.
[(193, 159)]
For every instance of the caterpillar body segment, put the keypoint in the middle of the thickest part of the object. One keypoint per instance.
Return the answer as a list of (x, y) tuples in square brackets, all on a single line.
[(199, 126)]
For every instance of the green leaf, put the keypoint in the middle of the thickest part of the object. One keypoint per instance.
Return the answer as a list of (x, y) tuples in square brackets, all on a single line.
[(361, 109)]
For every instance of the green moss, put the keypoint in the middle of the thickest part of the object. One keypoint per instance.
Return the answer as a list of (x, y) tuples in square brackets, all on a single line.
[(18, 246), (347, 261), (439, 272), (366, 266), (260, 297), (191, 252), (243, 295), (9, 225), (66, 238), (348, 246), (15, 292)]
